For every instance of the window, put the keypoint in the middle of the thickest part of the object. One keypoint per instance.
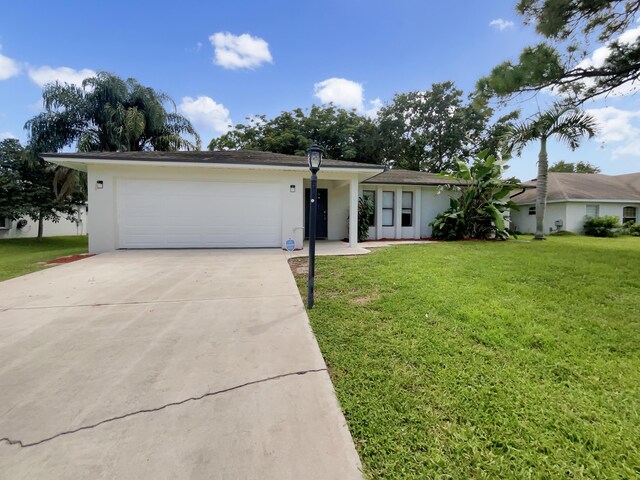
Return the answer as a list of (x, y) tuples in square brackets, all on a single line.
[(593, 211), (407, 209), (371, 196), (629, 214), (532, 210), (5, 223), (387, 209)]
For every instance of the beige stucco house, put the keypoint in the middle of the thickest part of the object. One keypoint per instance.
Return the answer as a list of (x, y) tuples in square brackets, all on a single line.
[(244, 199), (572, 197)]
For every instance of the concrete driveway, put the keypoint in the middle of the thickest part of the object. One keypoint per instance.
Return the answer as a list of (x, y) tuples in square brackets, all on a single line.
[(166, 364)]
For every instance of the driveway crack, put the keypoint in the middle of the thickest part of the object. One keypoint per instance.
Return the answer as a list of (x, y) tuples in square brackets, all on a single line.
[(22, 444)]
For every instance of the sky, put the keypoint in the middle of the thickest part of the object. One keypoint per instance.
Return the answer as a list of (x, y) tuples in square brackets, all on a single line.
[(224, 61)]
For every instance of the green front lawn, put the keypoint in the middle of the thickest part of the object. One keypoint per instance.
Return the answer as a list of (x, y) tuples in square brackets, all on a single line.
[(516, 359), (21, 255)]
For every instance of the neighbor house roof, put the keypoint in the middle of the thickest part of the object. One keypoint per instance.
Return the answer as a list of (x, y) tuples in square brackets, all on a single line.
[(398, 176), (586, 186), (227, 157)]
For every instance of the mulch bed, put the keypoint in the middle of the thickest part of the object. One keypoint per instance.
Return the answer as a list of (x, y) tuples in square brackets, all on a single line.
[(68, 259)]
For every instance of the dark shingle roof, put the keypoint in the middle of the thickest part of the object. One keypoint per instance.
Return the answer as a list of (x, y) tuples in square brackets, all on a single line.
[(586, 186), (398, 176), (240, 157)]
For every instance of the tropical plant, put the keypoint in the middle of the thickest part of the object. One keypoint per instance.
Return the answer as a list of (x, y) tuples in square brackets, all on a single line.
[(478, 211), (563, 122), (109, 114), (606, 226), (365, 209)]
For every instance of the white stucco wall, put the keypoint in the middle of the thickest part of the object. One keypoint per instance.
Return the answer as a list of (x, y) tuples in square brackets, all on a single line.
[(103, 229), (434, 201), (61, 228), (522, 222), (576, 212), (571, 213)]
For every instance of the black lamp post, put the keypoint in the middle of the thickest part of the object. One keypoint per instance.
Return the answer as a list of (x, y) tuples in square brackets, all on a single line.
[(314, 158)]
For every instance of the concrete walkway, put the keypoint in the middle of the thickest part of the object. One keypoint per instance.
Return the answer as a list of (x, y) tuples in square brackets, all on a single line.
[(166, 364), (338, 248)]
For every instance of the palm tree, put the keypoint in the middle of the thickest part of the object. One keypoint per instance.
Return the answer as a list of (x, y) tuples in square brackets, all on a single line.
[(109, 114), (106, 114), (565, 123)]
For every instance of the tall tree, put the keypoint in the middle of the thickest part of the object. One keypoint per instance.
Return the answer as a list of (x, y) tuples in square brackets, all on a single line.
[(429, 130), (30, 187), (561, 61), (109, 114), (569, 167), (343, 134), (564, 123)]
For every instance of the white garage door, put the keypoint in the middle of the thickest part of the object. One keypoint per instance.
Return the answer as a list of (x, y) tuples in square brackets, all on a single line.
[(175, 214)]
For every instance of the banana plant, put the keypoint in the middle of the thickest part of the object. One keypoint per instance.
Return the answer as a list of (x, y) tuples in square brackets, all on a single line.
[(482, 201)]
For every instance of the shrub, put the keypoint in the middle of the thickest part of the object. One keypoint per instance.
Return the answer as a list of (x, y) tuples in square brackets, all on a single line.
[(606, 226), (365, 209), (631, 228)]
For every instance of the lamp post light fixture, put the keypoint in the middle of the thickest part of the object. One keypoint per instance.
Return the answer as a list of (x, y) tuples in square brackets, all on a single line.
[(314, 159)]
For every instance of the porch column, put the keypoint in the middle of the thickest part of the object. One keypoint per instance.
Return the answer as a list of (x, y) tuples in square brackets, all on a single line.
[(417, 213), (353, 213), (378, 216), (397, 215)]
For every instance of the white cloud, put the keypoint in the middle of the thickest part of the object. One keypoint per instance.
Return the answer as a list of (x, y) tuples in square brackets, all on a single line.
[(374, 107), (501, 24), (8, 67), (207, 114), (240, 51), (45, 74), (621, 127), (341, 92), (5, 135), (346, 94)]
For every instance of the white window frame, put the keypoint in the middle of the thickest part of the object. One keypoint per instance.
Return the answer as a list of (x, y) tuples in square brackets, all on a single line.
[(408, 210), (594, 207), (532, 210), (5, 223), (635, 219), (392, 208)]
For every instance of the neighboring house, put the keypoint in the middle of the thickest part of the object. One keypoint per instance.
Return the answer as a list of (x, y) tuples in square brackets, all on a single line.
[(571, 197), (25, 227), (243, 199)]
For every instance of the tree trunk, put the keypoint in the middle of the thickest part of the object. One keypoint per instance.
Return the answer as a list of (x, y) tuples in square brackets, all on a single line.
[(40, 226), (541, 188)]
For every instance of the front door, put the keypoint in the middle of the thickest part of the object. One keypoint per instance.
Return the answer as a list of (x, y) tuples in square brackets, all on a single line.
[(321, 220)]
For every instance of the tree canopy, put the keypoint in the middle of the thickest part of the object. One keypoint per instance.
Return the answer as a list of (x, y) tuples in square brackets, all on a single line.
[(343, 134), (31, 187), (429, 130), (562, 61), (570, 167), (109, 114)]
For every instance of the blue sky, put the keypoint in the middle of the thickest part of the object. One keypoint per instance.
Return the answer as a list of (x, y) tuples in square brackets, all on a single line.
[(291, 56)]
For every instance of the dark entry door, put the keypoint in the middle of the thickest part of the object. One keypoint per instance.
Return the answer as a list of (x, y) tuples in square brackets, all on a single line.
[(321, 221)]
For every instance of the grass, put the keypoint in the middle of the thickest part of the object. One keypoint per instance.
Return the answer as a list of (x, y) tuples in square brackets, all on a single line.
[(19, 256), (516, 359)]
